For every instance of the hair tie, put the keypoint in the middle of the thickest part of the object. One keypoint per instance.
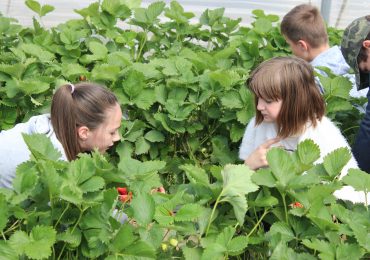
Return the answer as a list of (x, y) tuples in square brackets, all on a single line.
[(72, 87)]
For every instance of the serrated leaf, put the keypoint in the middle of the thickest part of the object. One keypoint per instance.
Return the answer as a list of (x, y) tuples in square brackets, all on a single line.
[(231, 100), (336, 160), (25, 180), (37, 245), (189, 212), (45, 9), (264, 177), (154, 136), (237, 244), (72, 238), (154, 10), (41, 147), (357, 179), (281, 166), (141, 146), (98, 49), (308, 151), (143, 208), (95, 183), (236, 184), (123, 238), (4, 213), (7, 252), (191, 253), (33, 5), (195, 174), (326, 249), (105, 72), (37, 51), (145, 99), (140, 249), (283, 230)]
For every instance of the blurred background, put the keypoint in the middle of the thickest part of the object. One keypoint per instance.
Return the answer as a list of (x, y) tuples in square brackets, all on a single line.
[(337, 13)]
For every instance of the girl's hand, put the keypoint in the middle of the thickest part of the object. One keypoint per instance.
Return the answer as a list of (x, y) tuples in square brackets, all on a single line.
[(257, 159)]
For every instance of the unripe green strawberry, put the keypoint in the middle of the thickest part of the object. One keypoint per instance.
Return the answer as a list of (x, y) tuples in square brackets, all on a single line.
[(173, 242)]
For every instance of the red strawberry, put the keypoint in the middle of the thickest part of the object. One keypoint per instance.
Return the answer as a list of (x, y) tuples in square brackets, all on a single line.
[(122, 190), (126, 197), (296, 204)]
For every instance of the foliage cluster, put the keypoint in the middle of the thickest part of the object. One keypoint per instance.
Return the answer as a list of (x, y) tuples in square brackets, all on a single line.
[(182, 86)]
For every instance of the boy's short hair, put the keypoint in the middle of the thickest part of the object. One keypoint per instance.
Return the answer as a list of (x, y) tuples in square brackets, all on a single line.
[(353, 51), (304, 22)]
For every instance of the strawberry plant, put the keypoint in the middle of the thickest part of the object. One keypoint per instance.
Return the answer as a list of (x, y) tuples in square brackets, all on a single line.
[(182, 86)]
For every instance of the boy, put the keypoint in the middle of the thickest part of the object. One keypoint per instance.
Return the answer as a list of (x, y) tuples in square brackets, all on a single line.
[(355, 47), (305, 31)]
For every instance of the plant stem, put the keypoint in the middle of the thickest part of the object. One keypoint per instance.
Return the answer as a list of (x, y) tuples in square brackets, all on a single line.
[(213, 212), (64, 211), (285, 208), (141, 46), (258, 222)]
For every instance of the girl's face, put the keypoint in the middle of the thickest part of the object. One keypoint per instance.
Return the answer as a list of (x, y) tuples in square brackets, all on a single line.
[(106, 134), (269, 109)]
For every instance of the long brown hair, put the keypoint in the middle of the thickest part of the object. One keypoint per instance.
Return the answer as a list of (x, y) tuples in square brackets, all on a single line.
[(292, 81), (83, 104)]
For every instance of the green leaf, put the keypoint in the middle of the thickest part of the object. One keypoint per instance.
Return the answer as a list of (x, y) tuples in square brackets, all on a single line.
[(105, 72), (38, 52), (262, 25), (357, 179), (95, 183), (336, 160), (45, 9), (308, 152), (281, 166), (25, 180), (238, 244), (123, 238), (264, 177), (236, 184), (154, 10), (4, 213), (195, 174), (140, 249), (231, 100), (116, 8), (326, 250), (283, 230), (41, 147), (143, 207), (7, 252), (141, 146), (134, 84), (191, 253), (189, 212), (154, 136), (37, 245), (349, 251), (33, 5), (98, 49), (73, 69), (72, 238)]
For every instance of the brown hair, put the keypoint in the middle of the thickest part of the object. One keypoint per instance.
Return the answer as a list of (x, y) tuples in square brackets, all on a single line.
[(304, 22), (291, 80), (84, 104)]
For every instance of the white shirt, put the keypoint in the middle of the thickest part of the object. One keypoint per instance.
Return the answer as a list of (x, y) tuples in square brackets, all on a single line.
[(326, 135)]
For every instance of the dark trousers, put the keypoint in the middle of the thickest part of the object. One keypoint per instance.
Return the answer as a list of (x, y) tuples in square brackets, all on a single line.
[(361, 147)]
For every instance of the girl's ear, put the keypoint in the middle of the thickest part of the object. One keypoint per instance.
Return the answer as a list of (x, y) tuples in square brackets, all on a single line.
[(366, 44), (83, 132)]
